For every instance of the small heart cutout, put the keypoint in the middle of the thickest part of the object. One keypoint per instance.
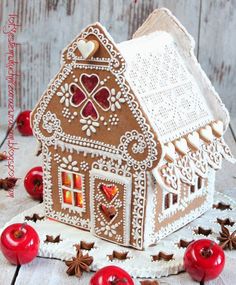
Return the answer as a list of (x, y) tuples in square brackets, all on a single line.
[(170, 154), (90, 111), (87, 48), (206, 133), (194, 140), (109, 190), (78, 95), (102, 97), (218, 128), (109, 211), (89, 81), (181, 146)]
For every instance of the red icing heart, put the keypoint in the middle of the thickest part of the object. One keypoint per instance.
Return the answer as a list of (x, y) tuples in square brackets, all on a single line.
[(90, 111), (90, 82), (109, 191), (78, 95), (101, 98), (109, 211)]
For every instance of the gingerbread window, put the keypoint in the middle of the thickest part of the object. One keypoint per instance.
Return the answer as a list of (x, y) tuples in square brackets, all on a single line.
[(170, 199), (72, 189), (199, 183)]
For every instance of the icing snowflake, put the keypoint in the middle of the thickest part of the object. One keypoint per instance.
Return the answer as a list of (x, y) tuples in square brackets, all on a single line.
[(65, 95), (84, 166), (89, 95), (69, 164), (50, 122), (89, 126), (116, 100), (109, 230)]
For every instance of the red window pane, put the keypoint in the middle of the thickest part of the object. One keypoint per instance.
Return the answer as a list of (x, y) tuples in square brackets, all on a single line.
[(67, 196), (78, 200), (77, 181), (66, 179)]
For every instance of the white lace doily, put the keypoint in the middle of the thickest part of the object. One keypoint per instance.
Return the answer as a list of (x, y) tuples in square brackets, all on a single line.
[(139, 263)]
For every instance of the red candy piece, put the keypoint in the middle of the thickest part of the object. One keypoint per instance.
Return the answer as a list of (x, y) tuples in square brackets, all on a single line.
[(101, 98), (78, 95), (109, 191), (90, 82), (109, 211), (89, 111)]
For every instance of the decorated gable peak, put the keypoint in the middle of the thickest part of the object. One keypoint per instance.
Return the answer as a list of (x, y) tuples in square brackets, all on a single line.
[(89, 102), (94, 49)]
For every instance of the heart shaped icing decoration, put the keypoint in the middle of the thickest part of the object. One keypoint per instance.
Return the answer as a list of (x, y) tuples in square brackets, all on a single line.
[(90, 111), (218, 128), (89, 81), (87, 48), (102, 97), (206, 133), (194, 140), (109, 211), (181, 146), (169, 150), (109, 190)]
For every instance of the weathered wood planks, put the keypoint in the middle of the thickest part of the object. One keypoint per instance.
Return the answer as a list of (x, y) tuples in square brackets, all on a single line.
[(217, 53), (122, 18)]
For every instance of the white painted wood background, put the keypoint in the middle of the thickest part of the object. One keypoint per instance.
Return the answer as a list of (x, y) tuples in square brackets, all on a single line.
[(48, 26)]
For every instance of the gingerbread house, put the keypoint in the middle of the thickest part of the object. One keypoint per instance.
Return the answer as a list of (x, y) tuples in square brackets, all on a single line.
[(131, 134)]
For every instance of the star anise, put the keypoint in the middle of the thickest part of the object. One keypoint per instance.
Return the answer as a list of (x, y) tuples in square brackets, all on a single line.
[(78, 264), (8, 183), (51, 239), (34, 218), (227, 239)]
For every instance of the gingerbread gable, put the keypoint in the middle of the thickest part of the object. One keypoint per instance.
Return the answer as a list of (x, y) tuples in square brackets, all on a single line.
[(90, 100)]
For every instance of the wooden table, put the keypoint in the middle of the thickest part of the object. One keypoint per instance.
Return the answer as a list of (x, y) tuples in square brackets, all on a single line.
[(47, 271)]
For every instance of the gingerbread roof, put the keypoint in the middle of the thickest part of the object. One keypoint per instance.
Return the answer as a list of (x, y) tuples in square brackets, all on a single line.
[(170, 84)]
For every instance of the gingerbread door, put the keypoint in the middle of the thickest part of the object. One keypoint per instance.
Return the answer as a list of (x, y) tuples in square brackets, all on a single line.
[(110, 206)]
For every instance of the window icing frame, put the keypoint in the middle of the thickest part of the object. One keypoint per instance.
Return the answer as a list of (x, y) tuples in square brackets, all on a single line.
[(71, 207)]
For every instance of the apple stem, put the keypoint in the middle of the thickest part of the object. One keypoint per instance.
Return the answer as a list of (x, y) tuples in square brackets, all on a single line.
[(202, 282), (117, 280), (207, 252), (19, 233), (23, 226)]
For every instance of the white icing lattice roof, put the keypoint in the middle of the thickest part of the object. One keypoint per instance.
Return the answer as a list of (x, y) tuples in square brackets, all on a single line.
[(170, 85)]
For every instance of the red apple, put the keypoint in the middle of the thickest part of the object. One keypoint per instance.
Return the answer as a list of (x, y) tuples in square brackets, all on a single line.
[(34, 182), (204, 260), (23, 123), (111, 275), (19, 243)]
